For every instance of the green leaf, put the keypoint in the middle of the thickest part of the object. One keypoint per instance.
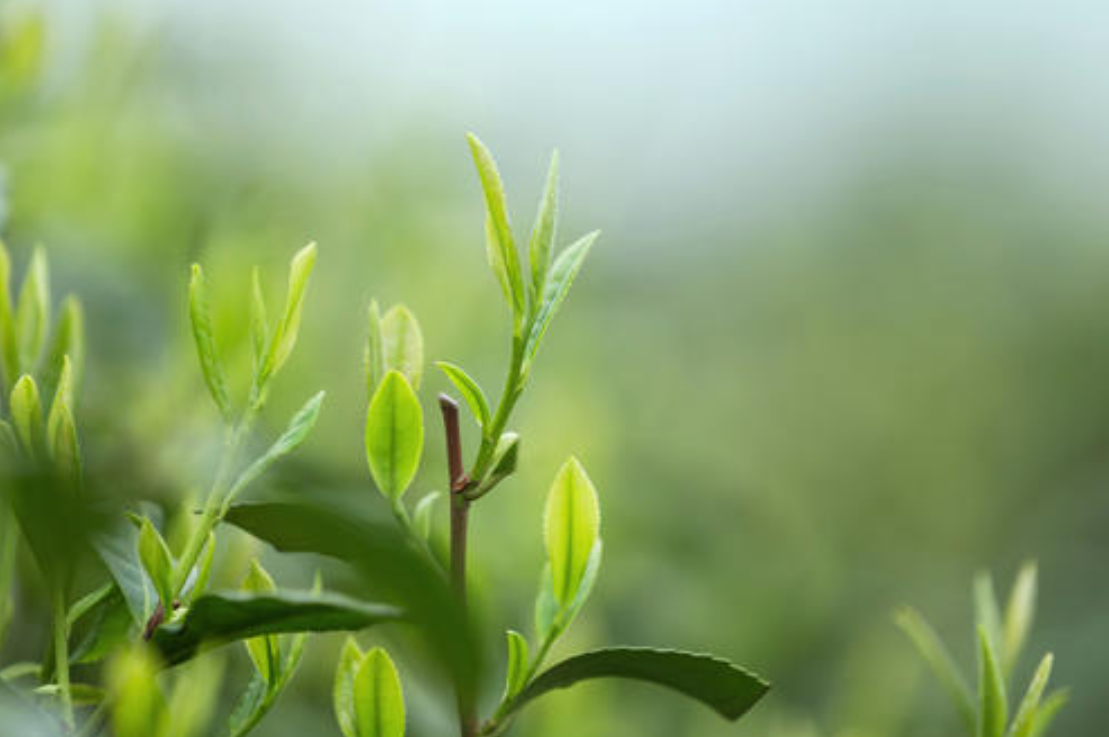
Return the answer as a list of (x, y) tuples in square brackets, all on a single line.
[(342, 693), (506, 457), (157, 562), (378, 701), (562, 274), (470, 391), (299, 426), (551, 619), (68, 342), (250, 708), (284, 339), (194, 587), (9, 347), (516, 669), (264, 651), (1025, 718), (930, 647), (503, 256), (65, 448), (118, 548), (137, 706), (1019, 613), (108, 626), (993, 708), (986, 612), (375, 349), (63, 401), (571, 527), (541, 245), (421, 517), (402, 344), (394, 435), (26, 411), (259, 322), (217, 619), (725, 688), (32, 317), (200, 317), (1048, 710)]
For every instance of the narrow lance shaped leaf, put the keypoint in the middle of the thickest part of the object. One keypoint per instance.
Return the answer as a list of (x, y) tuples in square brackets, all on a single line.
[(32, 317), (562, 274), (993, 707), (402, 344), (157, 562), (505, 260), (65, 448), (298, 429), (516, 669), (63, 401), (930, 647), (422, 515), (259, 322), (26, 410), (541, 245), (394, 435), (378, 700), (470, 391), (285, 337), (264, 651), (1025, 717), (725, 688), (1019, 613), (342, 693), (9, 348), (571, 527), (986, 612), (68, 341), (1048, 710), (375, 349), (204, 334)]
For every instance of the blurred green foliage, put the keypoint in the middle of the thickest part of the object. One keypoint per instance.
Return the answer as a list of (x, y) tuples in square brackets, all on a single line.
[(796, 430)]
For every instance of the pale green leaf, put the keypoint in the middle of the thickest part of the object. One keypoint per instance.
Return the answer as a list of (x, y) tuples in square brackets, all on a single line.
[(9, 347), (63, 402), (26, 412), (993, 707), (32, 316), (342, 693), (987, 614), (394, 435), (259, 321), (470, 391), (204, 334), (1019, 613), (297, 431), (1048, 710), (264, 651), (571, 527), (375, 349), (64, 446), (541, 245), (1025, 717), (137, 707), (422, 515), (378, 701), (402, 344), (561, 277), (285, 337), (68, 341), (157, 562), (516, 669), (505, 260), (932, 650)]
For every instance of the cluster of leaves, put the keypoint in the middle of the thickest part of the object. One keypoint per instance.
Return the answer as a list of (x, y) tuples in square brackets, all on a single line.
[(1000, 642), (155, 609)]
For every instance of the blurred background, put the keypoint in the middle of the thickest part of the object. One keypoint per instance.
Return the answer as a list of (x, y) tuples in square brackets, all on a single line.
[(844, 341)]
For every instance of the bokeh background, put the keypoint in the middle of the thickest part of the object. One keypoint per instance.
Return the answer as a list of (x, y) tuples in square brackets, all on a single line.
[(844, 341)]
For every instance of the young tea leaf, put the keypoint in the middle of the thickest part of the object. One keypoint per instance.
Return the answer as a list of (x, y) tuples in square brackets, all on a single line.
[(562, 274), (63, 401), (375, 349), (470, 391), (32, 317), (68, 342), (203, 333), (571, 527), (993, 707), (1025, 718), (342, 693), (986, 612), (26, 410), (378, 701), (394, 435), (402, 344), (421, 516), (516, 670), (264, 651), (725, 688), (1048, 710), (9, 347), (502, 248), (541, 244), (259, 322), (285, 337), (1019, 613), (157, 562), (934, 653)]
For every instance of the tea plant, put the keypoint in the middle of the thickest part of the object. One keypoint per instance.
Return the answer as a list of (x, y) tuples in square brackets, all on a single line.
[(155, 610), (1000, 642)]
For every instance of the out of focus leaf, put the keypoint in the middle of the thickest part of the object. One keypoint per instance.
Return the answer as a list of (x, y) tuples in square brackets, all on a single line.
[(421, 516), (1047, 712), (259, 322), (993, 707), (216, 619), (375, 349), (378, 700), (342, 693), (930, 647), (299, 427), (264, 651), (157, 562), (26, 411), (987, 614), (402, 344), (68, 341), (1018, 617), (205, 337), (725, 688), (117, 547), (32, 316), (137, 706), (394, 435), (1025, 718), (9, 346)]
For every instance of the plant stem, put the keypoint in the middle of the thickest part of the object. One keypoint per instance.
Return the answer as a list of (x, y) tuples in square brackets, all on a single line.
[(460, 517), (61, 652), (509, 395)]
